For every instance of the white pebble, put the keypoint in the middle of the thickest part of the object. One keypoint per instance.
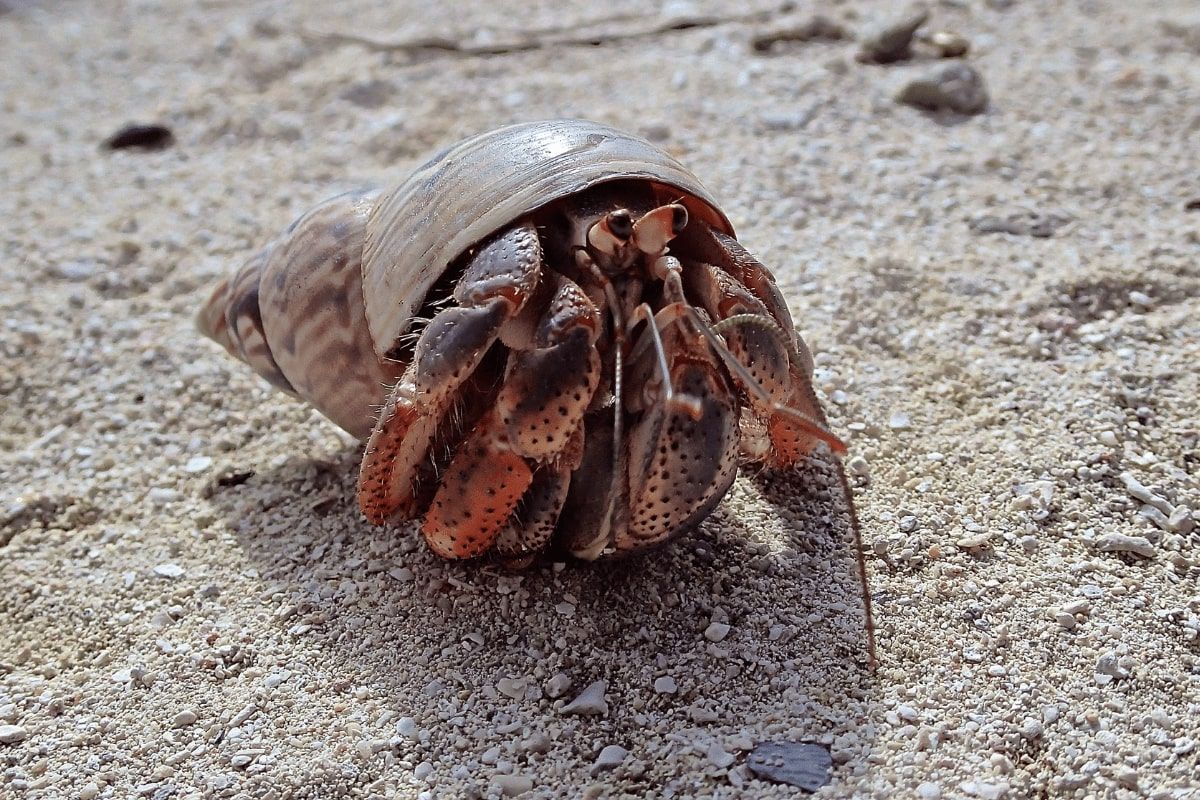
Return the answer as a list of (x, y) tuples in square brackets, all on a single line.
[(513, 688), (720, 757), (557, 686), (899, 421), (423, 770), (197, 464), (716, 632), (163, 496), (537, 742), (610, 758), (590, 701), (1180, 520), (513, 785), (1121, 543), (11, 734), (183, 719), (929, 791), (407, 726), (168, 570), (665, 685)]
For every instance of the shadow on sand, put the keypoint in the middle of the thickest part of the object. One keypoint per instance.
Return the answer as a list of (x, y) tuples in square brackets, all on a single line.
[(469, 648)]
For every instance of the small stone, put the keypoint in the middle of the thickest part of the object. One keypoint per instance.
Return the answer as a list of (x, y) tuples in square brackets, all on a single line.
[(513, 688), (513, 785), (929, 791), (183, 719), (160, 496), (590, 702), (610, 758), (1031, 728), (984, 789), (1108, 439), (1066, 620), (858, 465), (1181, 521), (1108, 666), (899, 421), (1139, 492), (537, 742), (956, 87), (949, 44), (11, 734), (907, 713), (974, 541), (407, 727), (75, 270), (423, 770), (891, 40), (716, 632), (806, 766), (90, 791), (1021, 222), (197, 464), (665, 685), (557, 686), (168, 570), (1121, 543), (720, 757), (1078, 607)]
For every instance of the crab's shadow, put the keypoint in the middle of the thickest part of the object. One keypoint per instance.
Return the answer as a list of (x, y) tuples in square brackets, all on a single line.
[(775, 562)]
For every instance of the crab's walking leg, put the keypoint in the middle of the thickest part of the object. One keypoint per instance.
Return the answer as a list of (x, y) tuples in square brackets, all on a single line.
[(496, 286), (539, 409)]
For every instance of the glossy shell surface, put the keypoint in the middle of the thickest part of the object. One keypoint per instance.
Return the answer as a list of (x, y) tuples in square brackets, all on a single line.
[(477, 187)]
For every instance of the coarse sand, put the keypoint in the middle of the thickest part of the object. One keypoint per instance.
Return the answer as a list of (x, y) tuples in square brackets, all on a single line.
[(1004, 310)]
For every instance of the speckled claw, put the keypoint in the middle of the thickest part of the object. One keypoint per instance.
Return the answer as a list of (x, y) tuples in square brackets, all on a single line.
[(497, 283), (476, 497)]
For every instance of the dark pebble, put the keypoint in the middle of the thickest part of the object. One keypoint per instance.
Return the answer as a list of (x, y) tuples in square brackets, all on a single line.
[(957, 87), (1040, 225), (806, 766), (141, 137)]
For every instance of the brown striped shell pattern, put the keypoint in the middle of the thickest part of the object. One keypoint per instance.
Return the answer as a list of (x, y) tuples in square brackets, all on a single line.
[(548, 337)]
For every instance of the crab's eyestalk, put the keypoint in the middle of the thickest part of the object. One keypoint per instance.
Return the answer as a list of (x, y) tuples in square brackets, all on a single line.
[(655, 230), (610, 235)]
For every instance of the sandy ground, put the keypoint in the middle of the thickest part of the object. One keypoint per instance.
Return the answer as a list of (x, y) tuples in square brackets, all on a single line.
[(191, 605)]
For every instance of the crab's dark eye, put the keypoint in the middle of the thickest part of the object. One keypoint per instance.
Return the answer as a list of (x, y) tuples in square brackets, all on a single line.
[(620, 224), (679, 219)]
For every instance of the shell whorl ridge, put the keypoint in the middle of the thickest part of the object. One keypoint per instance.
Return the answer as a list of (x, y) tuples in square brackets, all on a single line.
[(473, 189)]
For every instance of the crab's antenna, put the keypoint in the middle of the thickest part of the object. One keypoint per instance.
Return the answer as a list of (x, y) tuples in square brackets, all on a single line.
[(584, 259), (687, 403), (868, 611)]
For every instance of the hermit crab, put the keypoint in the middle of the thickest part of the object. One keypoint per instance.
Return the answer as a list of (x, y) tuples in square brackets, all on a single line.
[(548, 337)]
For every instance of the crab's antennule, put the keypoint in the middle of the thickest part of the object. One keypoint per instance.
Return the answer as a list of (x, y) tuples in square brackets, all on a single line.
[(611, 232), (656, 228)]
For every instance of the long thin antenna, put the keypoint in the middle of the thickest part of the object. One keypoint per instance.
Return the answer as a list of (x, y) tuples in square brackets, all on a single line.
[(868, 610)]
